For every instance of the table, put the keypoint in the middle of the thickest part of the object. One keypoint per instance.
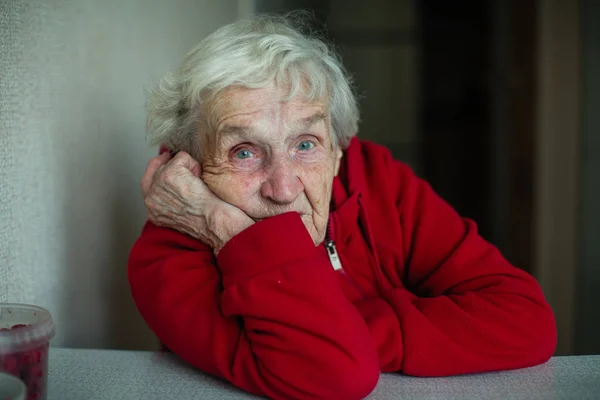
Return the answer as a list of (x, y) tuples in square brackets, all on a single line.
[(130, 375)]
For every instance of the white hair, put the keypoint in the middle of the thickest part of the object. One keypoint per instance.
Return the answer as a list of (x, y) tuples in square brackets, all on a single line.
[(251, 53)]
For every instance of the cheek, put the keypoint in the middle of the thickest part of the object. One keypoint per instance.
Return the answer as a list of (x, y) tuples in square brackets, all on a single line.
[(317, 183), (237, 190)]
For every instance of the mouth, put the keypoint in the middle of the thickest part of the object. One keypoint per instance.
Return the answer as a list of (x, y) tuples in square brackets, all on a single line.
[(302, 214)]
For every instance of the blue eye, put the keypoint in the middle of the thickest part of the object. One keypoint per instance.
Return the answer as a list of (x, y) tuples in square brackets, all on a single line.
[(243, 154), (306, 145)]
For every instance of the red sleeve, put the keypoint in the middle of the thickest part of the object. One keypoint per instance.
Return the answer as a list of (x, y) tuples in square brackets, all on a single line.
[(271, 318), (464, 308)]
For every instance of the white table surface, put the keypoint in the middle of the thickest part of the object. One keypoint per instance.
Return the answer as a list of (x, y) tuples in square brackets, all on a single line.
[(129, 375)]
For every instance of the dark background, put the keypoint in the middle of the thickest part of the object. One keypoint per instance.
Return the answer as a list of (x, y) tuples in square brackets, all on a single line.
[(462, 92)]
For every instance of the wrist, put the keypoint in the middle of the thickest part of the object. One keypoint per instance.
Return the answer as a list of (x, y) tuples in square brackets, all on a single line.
[(225, 232)]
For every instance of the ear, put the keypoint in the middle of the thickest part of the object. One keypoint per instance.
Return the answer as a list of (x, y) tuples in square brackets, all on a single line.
[(338, 160)]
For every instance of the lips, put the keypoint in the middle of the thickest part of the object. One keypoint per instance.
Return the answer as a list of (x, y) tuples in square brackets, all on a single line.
[(274, 215)]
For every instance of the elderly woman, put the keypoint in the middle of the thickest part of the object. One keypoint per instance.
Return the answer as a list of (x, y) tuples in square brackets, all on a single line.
[(297, 261)]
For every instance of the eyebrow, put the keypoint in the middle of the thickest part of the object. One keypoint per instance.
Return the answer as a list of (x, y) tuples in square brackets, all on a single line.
[(311, 120), (234, 130), (300, 124)]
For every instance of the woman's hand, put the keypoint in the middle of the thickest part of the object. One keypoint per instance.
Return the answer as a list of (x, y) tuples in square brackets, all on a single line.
[(177, 198)]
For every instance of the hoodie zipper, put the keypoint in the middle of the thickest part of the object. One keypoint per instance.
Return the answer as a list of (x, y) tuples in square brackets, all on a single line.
[(334, 257)]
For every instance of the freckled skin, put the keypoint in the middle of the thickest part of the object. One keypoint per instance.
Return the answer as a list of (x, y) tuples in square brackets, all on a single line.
[(269, 156)]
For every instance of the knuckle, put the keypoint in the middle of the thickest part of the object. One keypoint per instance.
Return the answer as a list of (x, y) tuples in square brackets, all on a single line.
[(156, 219), (182, 155), (148, 201), (149, 204), (169, 177)]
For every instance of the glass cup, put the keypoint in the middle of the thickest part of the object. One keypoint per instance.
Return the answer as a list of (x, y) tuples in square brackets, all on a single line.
[(25, 333)]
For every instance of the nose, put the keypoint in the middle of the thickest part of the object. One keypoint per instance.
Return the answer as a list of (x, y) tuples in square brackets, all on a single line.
[(282, 185)]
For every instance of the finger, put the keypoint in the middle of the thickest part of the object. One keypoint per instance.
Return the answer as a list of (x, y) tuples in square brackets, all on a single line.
[(165, 156), (185, 160), (153, 166)]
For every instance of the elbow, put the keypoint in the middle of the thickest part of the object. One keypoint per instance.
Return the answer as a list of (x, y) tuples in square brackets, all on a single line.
[(353, 380), (528, 327), (335, 372), (356, 375), (334, 378), (538, 338), (360, 381), (543, 339)]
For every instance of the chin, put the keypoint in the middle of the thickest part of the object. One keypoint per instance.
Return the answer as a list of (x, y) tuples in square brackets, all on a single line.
[(317, 237)]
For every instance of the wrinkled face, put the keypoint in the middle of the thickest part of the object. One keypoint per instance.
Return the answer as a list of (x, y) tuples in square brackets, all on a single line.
[(268, 156)]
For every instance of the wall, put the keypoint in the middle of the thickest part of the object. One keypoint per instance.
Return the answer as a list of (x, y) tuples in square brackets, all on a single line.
[(378, 43), (72, 151), (557, 161), (588, 299)]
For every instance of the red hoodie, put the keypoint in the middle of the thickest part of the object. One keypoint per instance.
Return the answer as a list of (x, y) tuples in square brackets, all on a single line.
[(419, 292)]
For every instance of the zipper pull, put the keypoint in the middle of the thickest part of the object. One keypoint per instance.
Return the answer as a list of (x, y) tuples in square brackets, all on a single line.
[(333, 255)]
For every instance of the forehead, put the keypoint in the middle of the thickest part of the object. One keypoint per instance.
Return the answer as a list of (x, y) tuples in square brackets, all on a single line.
[(247, 104)]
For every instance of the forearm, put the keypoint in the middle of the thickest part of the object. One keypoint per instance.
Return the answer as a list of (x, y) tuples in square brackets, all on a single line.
[(464, 307), (280, 327), (475, 331)]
